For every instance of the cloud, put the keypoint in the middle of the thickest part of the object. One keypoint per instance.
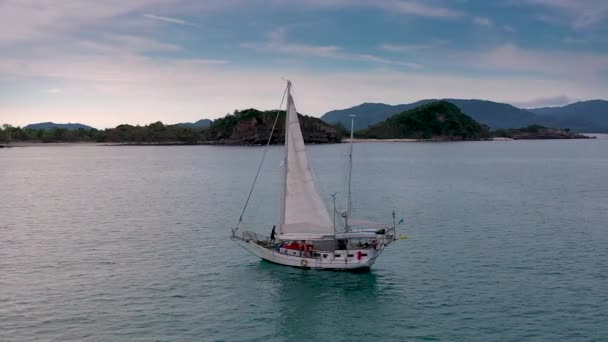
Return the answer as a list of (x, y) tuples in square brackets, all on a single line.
[(580, 14), (129, 69), (424, 9), (39, 20), (123, 43), (277, 43), (169, 20), (119, 66), (509, 28), (579, 65), (482, 21), (412, 47), (146, 90), (551, 101)]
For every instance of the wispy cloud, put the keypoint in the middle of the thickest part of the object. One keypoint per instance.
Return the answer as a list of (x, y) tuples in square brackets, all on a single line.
[(41, 20), (580, 65), (425, 9), (118, 61), (482, 21), (122, 43), (277, 43), (580, 14), (149, 90), (412, 47), (509, 28), (550, 101), (170, 20), (53, 91)]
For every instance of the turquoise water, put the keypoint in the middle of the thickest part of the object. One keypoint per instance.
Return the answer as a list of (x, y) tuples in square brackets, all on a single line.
[(508, 242)]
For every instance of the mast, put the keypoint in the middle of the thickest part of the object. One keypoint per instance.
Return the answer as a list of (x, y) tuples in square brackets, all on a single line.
[(285, 154), (350, 172)]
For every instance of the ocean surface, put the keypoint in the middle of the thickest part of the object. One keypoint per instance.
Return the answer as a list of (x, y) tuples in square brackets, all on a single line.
[(508, 241)]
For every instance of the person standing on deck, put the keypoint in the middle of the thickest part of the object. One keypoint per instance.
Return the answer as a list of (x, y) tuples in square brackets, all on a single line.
[(272, 234)]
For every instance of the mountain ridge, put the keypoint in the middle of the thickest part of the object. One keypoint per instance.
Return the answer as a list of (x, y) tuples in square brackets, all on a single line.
[(588, 116), (199, 123), (50, 125), (582, 116)]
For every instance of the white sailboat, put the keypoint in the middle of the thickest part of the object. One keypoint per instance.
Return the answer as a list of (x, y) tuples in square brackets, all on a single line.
[(307, 236)]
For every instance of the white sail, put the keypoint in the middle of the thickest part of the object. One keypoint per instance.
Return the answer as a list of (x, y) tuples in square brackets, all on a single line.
[(304, 214)]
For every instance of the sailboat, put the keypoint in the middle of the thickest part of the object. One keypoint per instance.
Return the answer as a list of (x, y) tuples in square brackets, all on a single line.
[(306, 236)]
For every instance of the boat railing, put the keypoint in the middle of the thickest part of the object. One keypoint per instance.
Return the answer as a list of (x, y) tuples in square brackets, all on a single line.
[(252, 236)]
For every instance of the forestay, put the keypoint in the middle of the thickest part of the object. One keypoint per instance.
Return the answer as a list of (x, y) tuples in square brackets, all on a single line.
[(303, 211)]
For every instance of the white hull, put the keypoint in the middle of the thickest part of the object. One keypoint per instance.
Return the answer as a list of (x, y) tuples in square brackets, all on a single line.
[(360, 259)]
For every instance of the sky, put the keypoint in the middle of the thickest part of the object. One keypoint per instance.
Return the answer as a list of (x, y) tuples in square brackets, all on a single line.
[(110, 62)]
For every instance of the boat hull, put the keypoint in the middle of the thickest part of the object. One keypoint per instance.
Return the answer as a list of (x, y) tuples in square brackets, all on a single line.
[(342, 263)]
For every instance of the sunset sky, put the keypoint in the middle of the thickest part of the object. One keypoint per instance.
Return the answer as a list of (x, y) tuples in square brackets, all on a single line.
[(104, 63)]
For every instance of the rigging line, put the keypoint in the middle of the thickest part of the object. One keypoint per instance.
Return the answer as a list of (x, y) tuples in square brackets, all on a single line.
[(255, 179)]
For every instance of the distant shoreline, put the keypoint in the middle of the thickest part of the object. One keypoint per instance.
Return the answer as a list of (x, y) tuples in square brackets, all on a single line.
[(356, 140)]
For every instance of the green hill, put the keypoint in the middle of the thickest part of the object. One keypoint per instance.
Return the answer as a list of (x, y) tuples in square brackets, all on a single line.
[(252, 127), (439, 120), (493, 114)]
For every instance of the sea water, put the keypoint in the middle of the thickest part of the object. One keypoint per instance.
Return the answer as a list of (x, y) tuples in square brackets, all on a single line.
[(508, 241)]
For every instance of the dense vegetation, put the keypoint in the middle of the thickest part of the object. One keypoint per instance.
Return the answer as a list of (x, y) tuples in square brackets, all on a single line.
[(439, 120), (536, 132), (153, 133), (250, 126), (9, 134)]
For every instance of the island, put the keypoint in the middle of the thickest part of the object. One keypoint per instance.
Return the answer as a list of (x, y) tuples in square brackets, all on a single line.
[(246, 127), (444, 121), (534, 132), (253, 127), (434, 121)]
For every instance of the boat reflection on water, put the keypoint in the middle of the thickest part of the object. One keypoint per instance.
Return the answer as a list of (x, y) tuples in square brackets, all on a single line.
[(312, 304)]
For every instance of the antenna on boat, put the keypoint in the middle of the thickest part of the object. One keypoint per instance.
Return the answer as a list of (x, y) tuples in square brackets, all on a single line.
[(333, 196), (350, 172)]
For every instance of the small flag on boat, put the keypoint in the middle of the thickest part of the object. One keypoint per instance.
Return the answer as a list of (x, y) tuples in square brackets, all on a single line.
[(400, 221)]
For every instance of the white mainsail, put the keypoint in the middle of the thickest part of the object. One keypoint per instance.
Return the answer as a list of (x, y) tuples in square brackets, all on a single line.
[(304, 214)]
